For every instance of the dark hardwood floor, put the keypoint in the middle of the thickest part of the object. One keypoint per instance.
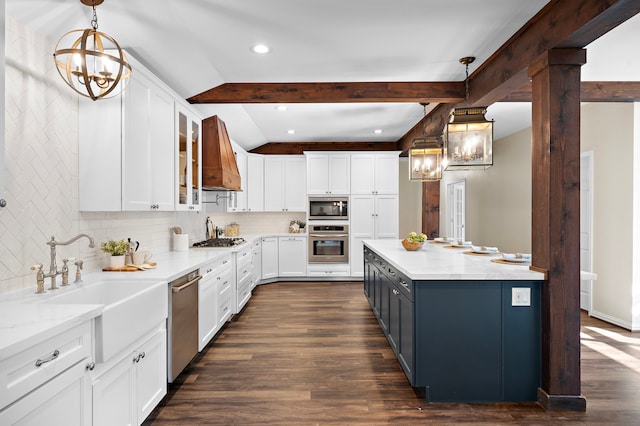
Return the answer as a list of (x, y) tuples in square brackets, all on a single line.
[(314, 354)]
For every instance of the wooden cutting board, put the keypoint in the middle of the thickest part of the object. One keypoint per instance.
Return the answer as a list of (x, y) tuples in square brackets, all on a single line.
[(126, 268)]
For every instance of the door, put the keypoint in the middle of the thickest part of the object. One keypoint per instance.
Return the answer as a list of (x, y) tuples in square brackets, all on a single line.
[(456, 210), (586, 211)]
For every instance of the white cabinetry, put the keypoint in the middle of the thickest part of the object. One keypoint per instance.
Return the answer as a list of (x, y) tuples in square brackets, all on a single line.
[(214, 273), (375, 173), (327, 173), (131, 387), (237, 201), (256, 262), (255, 183), (226, 296), (372, 217), (292, 256), (188, 151), (285, 183), (269, 257), (49, 383), (126, 148), (243, 277)]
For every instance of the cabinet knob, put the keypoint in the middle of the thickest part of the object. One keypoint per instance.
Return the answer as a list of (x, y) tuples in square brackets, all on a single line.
[(91, 366)]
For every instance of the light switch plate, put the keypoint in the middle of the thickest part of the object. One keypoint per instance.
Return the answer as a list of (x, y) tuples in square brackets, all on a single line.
[(520, 296)]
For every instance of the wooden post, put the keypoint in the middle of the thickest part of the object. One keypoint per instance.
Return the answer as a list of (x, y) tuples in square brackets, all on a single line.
[(556, 221), (431, 209)]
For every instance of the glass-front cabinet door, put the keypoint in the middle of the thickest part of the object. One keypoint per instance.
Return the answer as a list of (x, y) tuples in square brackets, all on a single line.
[(189, 160)]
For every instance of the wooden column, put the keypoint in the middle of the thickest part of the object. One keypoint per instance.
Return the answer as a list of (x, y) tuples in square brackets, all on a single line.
[(431, 209), (556, 221)]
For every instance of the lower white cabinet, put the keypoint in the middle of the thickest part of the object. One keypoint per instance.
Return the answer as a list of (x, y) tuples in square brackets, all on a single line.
[(256, 262), (243, 277), (214, 273), (64, 400), (292, 256), (269, 258), (48, 383), (130, 388)]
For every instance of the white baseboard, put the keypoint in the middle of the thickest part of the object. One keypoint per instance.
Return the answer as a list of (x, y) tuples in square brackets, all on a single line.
[(613, 320)]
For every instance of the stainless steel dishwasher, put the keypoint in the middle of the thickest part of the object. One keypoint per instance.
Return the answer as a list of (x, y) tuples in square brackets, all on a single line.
[(183, 323)]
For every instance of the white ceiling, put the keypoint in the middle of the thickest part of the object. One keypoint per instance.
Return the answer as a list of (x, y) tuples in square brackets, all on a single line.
[(194, 45)]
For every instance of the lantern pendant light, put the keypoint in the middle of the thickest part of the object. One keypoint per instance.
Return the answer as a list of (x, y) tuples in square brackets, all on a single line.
[(469, 135), (425, 157), (91, 62)]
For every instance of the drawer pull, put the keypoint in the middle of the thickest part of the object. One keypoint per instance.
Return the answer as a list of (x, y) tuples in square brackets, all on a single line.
[(392, 272), (91, 366), (396, 292), (53, 356), (403, 282)]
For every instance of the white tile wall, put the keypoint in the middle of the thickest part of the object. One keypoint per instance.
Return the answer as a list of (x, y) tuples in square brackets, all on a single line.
[(41, 148)]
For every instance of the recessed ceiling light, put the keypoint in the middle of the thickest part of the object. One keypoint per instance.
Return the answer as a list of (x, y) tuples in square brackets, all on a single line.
[(281, 108), (260, 48), (291, 131), (377, 131)]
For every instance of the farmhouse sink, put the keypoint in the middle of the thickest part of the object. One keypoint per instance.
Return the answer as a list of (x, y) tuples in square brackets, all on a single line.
[(131, 308)]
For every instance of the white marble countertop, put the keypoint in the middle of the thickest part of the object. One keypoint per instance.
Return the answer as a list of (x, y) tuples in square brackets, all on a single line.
[(24, 321), (24, 324), (436, 262)]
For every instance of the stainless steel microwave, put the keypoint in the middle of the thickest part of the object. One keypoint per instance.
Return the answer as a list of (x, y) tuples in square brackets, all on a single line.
[(328, 208)]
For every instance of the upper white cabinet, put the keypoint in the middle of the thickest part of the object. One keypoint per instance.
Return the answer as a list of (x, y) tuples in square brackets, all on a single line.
[(285, 183), (328, 173), (127, 154), (188, 152), (375, 173), (255, 183), (237, 200)]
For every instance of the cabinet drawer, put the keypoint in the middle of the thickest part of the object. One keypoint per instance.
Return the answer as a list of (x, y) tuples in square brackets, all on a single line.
[(213, 267), (224, 309), (244, 271), (404, 284), (224, 283), (25, 371), (244, 293)]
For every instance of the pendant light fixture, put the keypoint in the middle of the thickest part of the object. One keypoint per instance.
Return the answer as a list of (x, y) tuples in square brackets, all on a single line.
[(91, 62), (469, 135), (425, 157)]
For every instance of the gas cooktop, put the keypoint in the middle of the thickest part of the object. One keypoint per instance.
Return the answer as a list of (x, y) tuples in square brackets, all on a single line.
[(220, 242)]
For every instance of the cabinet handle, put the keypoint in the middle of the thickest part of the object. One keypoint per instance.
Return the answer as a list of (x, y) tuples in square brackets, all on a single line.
[(396, 292), (91, 366), (225, 262), (404, 284), (53, 356), (392, 272)]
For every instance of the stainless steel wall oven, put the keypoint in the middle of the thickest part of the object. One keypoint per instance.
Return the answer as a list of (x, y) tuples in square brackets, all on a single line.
[(329, 244)]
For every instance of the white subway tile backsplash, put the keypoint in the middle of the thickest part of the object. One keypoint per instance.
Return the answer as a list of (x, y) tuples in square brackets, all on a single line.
[(41, 149)]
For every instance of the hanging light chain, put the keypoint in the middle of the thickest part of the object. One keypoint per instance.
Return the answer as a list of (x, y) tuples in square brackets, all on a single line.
[(94, 20)]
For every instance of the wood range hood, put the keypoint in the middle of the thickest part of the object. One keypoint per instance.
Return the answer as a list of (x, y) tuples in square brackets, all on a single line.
[(219, 166)]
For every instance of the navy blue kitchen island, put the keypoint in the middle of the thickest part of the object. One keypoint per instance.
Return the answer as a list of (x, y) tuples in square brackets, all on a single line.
[(456, 324)]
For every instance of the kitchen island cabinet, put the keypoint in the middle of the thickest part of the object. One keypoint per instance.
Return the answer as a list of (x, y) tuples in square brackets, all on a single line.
[(452, 323)]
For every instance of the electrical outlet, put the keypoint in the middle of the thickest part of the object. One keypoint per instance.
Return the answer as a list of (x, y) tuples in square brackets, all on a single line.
[(520, 296)]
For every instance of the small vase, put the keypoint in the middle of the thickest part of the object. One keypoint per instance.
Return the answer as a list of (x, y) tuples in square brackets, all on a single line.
[(116, 262)]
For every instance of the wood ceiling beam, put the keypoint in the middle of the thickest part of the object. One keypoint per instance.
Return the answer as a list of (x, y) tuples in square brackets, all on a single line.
[(560, 24), (272, 93), (298, 148), (591, 91)]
